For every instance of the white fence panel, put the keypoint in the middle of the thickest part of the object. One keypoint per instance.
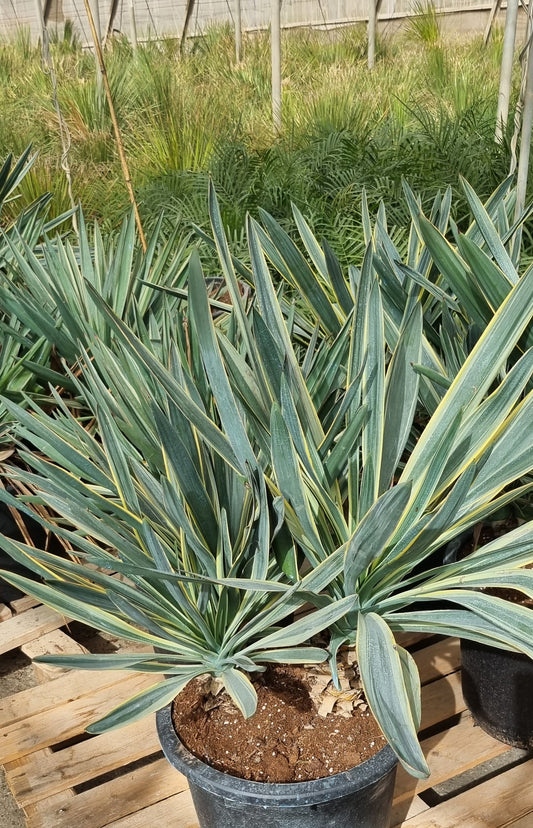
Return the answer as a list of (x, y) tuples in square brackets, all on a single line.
[(158, 18)]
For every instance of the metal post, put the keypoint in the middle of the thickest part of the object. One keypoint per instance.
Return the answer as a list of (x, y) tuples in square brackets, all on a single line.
[(372, 23), (40, 20), (133, 25), (525, 137), (95, 13), (275, 39), (238, 31), (506, 72)]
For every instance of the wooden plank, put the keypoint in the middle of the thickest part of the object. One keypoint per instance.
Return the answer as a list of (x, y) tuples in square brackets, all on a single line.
[(174, 812), (492, 804), (5, 612), (441, 700), (54, 643), (439, 659), (406, 809), (27, 626), (69, 719), (23, 604), (44, 773), (110, 801), (70, 686), (448, 754), (525, 821)]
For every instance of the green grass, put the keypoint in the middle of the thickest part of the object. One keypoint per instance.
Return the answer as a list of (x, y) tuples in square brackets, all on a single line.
[(425, 113)]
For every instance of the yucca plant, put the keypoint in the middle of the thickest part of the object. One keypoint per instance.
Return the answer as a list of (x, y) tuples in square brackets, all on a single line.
[(235, 474), (22, 345), (48, 289), (459, 283)]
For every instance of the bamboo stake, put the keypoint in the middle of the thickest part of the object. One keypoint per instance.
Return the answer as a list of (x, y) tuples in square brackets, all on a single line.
[(116, 128), (488, 28), (275, 46), (506, 73)]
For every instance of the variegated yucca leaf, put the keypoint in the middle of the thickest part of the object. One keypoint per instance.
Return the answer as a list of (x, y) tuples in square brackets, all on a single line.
[(238, 469)]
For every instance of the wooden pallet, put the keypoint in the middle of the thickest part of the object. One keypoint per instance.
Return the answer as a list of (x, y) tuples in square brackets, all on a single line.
[(63, 778)]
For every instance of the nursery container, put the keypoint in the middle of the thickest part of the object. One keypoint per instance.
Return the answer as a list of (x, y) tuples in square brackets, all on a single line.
[(358, 798), (498, 690)]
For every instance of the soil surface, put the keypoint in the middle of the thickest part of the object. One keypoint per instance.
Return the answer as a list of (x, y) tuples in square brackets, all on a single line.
[(286, 740)]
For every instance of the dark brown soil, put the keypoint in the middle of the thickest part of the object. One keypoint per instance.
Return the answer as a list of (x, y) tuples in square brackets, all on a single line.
[(285, 741)]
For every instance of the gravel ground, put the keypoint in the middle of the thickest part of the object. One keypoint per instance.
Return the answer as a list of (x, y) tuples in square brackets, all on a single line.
[(16, 673)]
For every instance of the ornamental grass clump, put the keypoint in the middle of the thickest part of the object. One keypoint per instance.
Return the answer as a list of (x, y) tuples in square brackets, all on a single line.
[(233, 472)]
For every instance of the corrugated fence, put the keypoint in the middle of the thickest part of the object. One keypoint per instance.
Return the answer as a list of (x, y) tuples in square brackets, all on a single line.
[(159, 18)]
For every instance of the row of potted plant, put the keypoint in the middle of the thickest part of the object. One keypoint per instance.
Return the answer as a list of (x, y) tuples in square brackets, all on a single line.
[(271, 481)]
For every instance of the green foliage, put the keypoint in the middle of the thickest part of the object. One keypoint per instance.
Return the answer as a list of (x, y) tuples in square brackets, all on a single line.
[(424, 26), (426, 115), (22, 345), (235, 469)]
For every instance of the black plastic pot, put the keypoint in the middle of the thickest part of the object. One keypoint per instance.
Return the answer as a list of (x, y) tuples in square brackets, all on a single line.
[(358, 798), (498, 691)]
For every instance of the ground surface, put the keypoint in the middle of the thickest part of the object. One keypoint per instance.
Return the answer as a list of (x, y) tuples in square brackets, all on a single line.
[(16, 673)]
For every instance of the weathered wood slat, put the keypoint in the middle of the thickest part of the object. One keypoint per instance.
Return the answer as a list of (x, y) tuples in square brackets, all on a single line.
[(177, 810), (54, 643), (19, 605), (120, 797), (71, 685), (448, 754), (45, 772), (27, 626), (68, 719), (492, 804), (406, 809), (437, 660), (5, 612), (441, 700), (522, 822)]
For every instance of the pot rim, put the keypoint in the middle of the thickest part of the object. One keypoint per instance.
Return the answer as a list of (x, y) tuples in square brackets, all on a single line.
[(283, 793)]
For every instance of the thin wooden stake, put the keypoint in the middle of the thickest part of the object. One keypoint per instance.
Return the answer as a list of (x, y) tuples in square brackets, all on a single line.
[(188, 14), (493, 12), (116, 128)]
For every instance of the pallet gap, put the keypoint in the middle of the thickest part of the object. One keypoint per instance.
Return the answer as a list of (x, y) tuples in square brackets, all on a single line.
[(440, 727), (428, 641), (74, 740), (96, 781), (475, 776), (95, 641)]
